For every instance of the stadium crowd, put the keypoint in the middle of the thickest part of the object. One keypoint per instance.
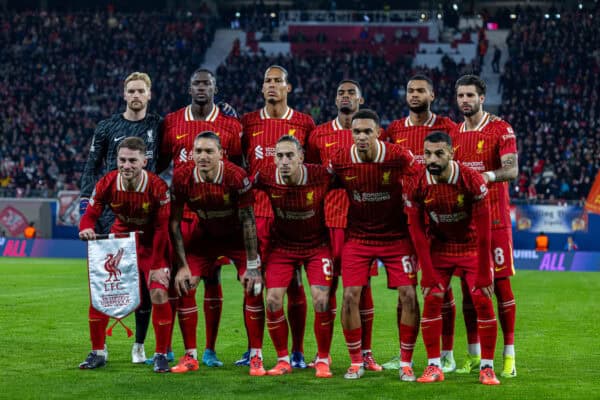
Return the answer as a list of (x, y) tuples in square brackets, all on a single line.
[(59, 75), (55, 87), (550, 97)]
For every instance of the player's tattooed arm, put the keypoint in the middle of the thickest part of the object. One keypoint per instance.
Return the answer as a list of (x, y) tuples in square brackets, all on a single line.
[(508, 171), (246, 216)]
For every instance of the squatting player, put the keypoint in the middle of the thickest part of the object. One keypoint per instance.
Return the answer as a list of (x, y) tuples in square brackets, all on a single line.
[(135, 121), (299, 237), (410, 132), (449, 216), (489, 146), (323, 142), (370, 171), (180, 130), (140, 202), (262, 129), (219, 192)]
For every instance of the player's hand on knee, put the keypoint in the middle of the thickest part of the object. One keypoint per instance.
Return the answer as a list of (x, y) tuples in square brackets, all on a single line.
[(253, 281), (183, 281), (87, 234), (487, 287), (160, 275)]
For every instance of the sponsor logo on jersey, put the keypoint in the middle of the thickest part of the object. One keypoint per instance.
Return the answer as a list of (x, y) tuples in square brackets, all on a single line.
[(257, 133), (291, 132), (401, 140), (370, 197), (385, 180), (119, 138), (427, 201), (330, 144), (350, 178), (480, 146), (310, 198), (181, 136), (460, 200), (146, 206), (116, 205), (150, 135)]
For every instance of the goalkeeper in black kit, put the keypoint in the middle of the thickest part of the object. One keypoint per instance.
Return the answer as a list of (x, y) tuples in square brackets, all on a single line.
[(135, 121)]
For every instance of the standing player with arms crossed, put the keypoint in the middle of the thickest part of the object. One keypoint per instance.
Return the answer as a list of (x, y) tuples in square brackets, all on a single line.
[(135, 121), (323, 142), (140, 202), (489, 146), (410, 132), (219, 192), (262, 129), (180, 130), (370, 171), (449, 216), (299, 237)]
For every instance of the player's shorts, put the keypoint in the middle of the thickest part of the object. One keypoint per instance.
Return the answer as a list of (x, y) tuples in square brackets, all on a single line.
[(464, 266), (502, 253), (206, 258), (282, 264), (337, 238), (398, 257)]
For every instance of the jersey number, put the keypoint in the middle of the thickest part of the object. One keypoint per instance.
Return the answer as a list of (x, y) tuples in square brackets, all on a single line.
[(326, 266), (498, 256), (408, 263)]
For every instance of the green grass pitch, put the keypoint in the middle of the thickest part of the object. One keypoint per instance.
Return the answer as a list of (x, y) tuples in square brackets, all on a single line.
[(44, 336)]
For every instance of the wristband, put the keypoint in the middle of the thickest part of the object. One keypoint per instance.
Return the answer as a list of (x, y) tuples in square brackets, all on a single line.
[(491, 176), (253, 264)]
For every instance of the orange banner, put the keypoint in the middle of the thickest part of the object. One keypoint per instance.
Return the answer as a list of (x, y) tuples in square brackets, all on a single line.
[(592, 204)]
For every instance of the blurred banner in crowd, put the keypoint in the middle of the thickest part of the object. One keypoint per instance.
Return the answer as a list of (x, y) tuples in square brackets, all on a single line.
[(592, 204), (15, 215), (551, 219), (68, 208), (558, 261)]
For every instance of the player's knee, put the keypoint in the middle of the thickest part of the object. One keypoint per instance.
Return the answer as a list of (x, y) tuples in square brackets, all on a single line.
[(159, 296), (483, 306), (351, 297), (407, 296), (274, 300), (321, 301)]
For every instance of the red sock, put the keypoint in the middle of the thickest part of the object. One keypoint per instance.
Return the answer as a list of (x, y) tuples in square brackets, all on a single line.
[(367, 314), (278, 330), (448, 319), (98, 323), (162, 319), (213, 304), (469, 314), (507, 309), (296, 309), (408, 338), (353, 343), (487, 325), (323, 333), (254, 315), (431, 325), (187, 310)]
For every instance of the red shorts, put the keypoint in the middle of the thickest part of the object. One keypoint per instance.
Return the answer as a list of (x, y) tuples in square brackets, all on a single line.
[(154, 284), (502, 253), (282, 264), (464, 266), (337, 237), (208, 257), (397, 256)]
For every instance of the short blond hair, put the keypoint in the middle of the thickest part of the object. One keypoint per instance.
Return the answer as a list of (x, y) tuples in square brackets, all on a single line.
[(138, 76)]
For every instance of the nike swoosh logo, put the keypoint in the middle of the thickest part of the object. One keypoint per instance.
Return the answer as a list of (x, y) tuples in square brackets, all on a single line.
[(164, 323), (275, 196), (401, 140), (119, 138), (255, 318), (257, 133), (330, 144), (181, 136), (195, 198), (498, 269), (410, 276), (116, 204), (350, 178), (427, 201)]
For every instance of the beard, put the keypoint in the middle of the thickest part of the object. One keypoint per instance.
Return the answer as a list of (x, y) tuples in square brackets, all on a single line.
[(136, 105), (420, 108), (474, 110), (435, 169), (346, 110)]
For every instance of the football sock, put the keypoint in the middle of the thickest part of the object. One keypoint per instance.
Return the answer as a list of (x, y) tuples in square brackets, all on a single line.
[(98, 323), (254, 315), (448, 320), (187, 311), (213, 304), (296, 309), (352, 337), (162, 318), (322, 330), (487, 326), (278, 330), (431, 325), (367, 314), (408, 338), (506, 310)]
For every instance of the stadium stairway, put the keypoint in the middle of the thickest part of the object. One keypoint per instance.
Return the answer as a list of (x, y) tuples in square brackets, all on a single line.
[(496, 38), (221, 47)]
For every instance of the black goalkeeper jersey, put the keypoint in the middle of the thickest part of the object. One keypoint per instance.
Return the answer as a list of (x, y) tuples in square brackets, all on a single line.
[(107, 136)]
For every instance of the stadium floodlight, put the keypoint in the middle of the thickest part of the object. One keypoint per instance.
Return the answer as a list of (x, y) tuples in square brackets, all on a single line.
[(557, 16), (273, 15), (513, 16), (580, 5), (423, 16), (439, 15), (547, 16), (455, 7), (238, 14)]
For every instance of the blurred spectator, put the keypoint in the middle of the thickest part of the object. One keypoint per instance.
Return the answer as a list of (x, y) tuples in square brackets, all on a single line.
[(541, 242), (30, 231), (571, 245)]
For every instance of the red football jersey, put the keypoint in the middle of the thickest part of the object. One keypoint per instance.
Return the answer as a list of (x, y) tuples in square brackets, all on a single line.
[(403, 132), (299, 222), (261, 133), (324, 141), (180, 130), (376, 215), (449, 208), (146, 209), (481, 150), (216, 203)]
